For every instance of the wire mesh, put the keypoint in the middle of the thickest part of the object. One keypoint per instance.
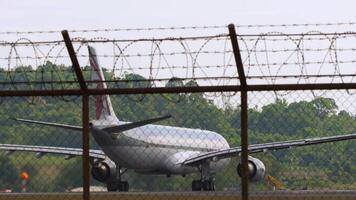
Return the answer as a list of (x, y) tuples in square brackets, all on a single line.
[(182, 146), (155, 149), (274, 56), (304, 115), (36, 170)]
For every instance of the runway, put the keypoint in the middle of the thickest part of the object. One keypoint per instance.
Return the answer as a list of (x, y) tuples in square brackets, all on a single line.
[(276, 195)]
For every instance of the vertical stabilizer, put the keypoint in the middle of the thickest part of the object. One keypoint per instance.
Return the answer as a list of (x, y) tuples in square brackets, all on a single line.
[(103, 106)]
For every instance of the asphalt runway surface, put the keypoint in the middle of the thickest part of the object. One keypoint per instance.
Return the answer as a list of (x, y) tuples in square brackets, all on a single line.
[(270, 195)]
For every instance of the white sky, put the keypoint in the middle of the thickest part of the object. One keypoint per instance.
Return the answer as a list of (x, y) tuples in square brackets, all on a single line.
[(80, 14), (30, 15)]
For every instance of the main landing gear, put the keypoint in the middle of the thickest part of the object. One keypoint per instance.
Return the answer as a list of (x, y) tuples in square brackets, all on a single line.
[(122, 186), (206, 185), (116, 184), (206, 182)]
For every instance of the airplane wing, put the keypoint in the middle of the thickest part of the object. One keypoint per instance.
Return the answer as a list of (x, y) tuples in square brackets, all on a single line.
[(66, 126), (42, 150), (257, 148)]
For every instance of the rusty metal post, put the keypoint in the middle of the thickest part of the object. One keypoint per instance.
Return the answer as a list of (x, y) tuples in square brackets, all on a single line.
[(158, 90), (86, 167), (85, 114), (244, 114), (73, 58)]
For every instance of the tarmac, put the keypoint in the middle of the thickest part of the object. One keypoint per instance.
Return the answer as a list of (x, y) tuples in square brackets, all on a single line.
[(270, 195)]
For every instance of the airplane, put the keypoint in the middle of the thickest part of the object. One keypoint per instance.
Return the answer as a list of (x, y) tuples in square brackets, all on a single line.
[(156, 149)]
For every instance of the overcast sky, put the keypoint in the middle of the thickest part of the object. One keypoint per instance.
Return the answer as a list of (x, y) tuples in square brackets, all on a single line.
[(80, 14), (42, 15)]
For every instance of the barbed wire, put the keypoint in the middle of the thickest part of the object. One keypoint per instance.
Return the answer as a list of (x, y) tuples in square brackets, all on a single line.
[(202, 52), (274, 36), (105, 40), (183, 53), (182, 28), (272, 57)]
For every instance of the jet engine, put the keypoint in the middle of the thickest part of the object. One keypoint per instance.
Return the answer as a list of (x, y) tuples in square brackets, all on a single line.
[(256, 169), (103, 170)]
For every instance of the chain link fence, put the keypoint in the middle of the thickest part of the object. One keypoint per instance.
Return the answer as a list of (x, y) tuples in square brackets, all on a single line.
[(166, 114), (299, 115), (29, 165)]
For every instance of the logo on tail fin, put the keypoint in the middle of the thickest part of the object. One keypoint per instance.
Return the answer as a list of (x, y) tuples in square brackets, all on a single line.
[(103, 106)]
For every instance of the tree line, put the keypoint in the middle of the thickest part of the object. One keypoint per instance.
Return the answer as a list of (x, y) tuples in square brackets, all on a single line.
[(314, 167)]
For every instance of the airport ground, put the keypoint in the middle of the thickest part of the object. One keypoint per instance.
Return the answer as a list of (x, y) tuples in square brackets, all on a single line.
[(276, 195)]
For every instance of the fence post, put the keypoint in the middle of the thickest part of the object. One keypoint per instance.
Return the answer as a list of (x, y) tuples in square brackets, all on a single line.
[(244, 112), (85, 114), (86, 166)]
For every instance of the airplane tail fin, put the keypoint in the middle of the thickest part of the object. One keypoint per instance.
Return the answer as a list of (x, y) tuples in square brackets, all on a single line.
[(103, 106)]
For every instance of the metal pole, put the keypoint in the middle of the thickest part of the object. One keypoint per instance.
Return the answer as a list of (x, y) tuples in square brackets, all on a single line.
[(85, 114), (73, 58), (244, 145), (158, 90), (86, 167), (244, 114), (237, 55)]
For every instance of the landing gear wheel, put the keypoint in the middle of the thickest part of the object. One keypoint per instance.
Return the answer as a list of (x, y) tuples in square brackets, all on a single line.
[(123, 186), (212, 186), (112, 187), (197, 185), (208, 185)]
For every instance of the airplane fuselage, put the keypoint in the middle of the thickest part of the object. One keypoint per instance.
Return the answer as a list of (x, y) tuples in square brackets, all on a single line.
[(158, 149)]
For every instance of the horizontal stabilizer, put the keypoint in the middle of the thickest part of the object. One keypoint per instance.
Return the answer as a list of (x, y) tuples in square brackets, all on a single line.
[(66, 126), (132, 125)]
